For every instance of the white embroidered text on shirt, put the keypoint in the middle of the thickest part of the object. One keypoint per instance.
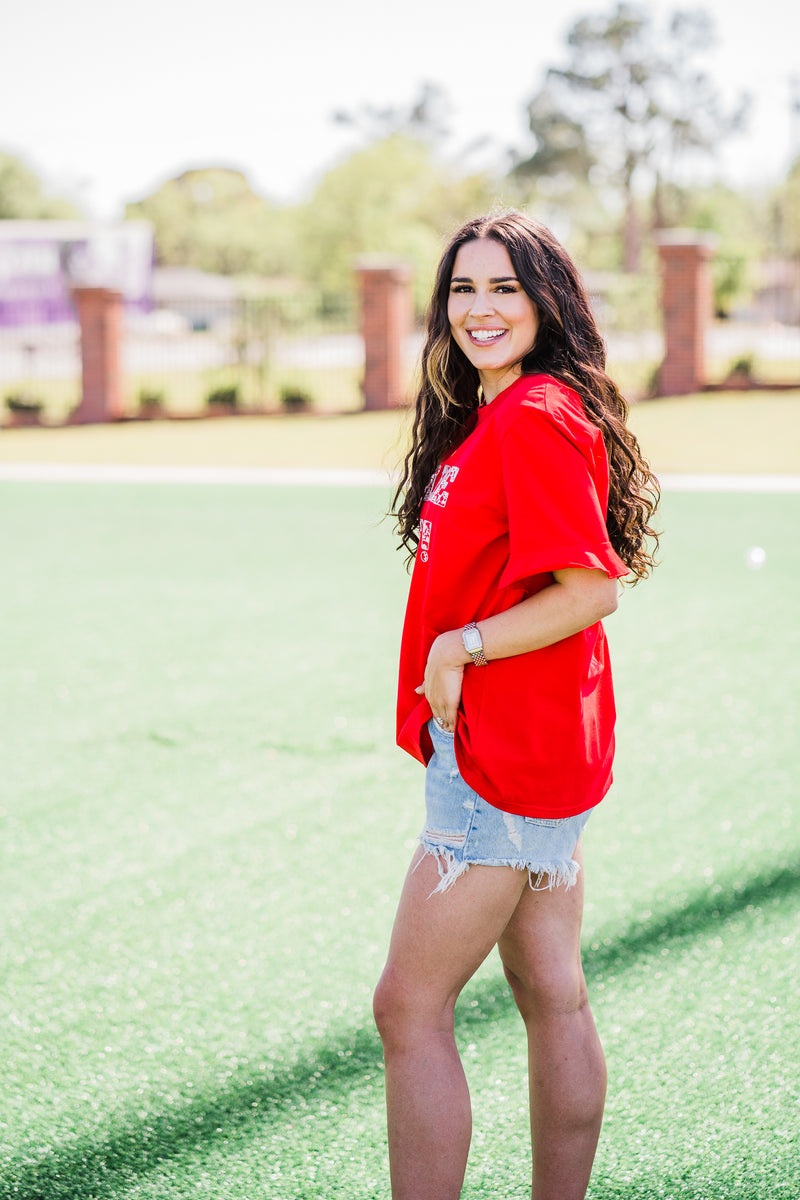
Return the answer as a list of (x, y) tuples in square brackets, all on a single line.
[(424, 539), (436, 490)]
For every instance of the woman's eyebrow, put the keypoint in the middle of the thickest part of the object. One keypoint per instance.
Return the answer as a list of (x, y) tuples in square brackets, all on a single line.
[(498, 279)]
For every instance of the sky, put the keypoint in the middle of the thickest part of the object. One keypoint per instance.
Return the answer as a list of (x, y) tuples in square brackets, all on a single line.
[(105, 101)]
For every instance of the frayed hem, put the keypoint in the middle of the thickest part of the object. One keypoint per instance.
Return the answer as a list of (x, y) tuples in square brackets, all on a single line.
[(542, 877), (449, 869), (556, 875)]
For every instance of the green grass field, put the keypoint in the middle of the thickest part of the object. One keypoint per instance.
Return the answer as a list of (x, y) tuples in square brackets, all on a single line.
[(740, 432), (205, 824)]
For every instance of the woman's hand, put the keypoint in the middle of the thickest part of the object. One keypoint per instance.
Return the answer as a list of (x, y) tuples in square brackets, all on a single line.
[(444, 674), (576, 599)]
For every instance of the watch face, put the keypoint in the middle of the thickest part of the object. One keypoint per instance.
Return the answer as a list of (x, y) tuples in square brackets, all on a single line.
[(472, 640)]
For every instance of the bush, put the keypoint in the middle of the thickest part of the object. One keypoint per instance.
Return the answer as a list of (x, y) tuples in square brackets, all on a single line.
[(224, 397), (24, 403), (151, 402), (295, 399), (742, 372)]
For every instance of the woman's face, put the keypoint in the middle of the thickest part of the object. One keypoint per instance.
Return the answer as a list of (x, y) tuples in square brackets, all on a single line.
[(492, 319)]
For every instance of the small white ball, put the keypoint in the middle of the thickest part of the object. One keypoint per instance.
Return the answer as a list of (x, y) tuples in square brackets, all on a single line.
[(755, 558)]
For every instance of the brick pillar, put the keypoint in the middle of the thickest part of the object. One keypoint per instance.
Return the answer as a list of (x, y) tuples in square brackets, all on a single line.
[(100, 316), (687, 301), (386, 322)]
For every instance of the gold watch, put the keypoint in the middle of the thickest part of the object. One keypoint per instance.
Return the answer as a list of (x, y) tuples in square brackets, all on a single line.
[(473, 644)]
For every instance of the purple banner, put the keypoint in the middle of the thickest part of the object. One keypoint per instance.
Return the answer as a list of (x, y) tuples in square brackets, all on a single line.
[(41, 260)]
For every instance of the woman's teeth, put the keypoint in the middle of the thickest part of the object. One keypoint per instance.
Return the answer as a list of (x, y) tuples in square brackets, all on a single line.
[(486, 335)]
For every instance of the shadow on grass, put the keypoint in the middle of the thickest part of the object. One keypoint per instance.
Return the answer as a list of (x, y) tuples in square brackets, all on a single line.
[(104, 1166)]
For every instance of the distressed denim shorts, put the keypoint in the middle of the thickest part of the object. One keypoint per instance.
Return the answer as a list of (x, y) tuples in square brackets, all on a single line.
[(461, 828)]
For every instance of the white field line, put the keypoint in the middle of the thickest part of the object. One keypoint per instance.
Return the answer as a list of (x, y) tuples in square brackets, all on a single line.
[(131, 473), (324, 477), (730, 483)]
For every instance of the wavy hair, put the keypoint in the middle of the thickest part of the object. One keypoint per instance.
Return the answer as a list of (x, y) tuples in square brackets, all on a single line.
[(568, 346)]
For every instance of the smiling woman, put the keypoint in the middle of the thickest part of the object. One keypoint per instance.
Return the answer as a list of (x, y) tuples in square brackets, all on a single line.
[(492, 319), (525, 500)]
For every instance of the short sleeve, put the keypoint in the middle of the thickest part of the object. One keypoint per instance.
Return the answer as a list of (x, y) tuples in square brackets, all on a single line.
[(556, 488)]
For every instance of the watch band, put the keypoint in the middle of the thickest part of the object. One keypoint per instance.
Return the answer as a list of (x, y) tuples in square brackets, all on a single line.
[(473, 644)]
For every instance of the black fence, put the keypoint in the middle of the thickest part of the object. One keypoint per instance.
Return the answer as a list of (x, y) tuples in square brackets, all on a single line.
[(196, 353)]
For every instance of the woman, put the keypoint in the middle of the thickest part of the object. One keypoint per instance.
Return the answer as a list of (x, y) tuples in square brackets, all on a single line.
[(524, 500)]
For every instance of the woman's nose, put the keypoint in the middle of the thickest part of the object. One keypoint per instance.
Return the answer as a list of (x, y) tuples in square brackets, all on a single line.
[(481, 303)]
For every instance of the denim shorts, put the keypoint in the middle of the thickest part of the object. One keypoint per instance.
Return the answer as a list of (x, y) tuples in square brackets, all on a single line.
[(461, 828)]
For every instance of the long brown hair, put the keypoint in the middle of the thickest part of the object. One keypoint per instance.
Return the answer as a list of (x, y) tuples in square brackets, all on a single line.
[(568, 346)]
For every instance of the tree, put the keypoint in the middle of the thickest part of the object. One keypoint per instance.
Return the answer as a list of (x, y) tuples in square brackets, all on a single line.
[(391, 197), (627, 107), (22, 196), (212, 219), (739, 221), (424, 119), (786, 214)]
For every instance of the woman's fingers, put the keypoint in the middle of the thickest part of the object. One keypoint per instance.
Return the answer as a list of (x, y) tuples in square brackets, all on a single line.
[(444, 709), (443, 693)]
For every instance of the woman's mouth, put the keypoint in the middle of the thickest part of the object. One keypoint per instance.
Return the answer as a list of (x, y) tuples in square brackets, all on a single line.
[(485, 337)]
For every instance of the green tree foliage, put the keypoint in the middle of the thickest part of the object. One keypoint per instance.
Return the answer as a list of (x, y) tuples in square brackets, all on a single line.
[(580, 215), (213, 220), (786, 214), (22, 196), (739, 221), (562, 145), (629, 104), (392, 197)]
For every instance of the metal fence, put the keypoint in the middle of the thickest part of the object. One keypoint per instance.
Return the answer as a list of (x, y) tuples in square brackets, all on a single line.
[(255, 353), (249, 354), (40, 368), (760, 339), (259, 353)]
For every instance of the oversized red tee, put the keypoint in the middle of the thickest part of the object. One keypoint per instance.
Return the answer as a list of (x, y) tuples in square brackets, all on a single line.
[(523, 495)]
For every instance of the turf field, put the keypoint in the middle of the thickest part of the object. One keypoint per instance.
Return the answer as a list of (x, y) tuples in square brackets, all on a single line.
[(205, 825)]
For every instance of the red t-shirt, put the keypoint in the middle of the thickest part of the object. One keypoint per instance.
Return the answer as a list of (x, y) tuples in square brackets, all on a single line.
[(524, 494)]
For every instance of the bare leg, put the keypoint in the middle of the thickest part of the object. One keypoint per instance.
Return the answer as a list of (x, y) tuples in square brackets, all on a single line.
[(540, 949), (437, 944)]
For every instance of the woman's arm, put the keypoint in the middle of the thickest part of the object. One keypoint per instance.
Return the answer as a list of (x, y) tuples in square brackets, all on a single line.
[(576, 599)]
